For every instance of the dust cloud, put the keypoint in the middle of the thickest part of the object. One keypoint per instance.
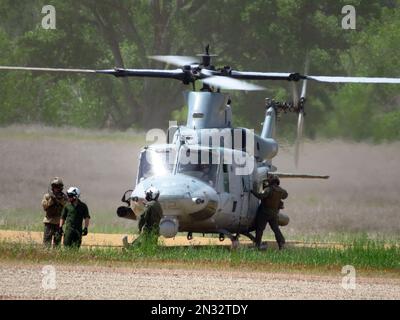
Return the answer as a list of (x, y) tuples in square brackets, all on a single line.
[(101, 167), (361, 195)]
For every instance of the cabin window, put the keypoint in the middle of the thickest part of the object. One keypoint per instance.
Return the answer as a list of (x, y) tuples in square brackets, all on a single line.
[(246, 183), (198, 115), (226, 178)]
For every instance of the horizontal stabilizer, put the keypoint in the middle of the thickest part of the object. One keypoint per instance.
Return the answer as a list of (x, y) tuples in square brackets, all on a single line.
[(299, 176)]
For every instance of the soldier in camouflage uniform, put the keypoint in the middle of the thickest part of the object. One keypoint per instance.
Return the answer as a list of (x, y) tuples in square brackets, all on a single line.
[(53, 203), (149, 221), (73, 215), (271, 201)]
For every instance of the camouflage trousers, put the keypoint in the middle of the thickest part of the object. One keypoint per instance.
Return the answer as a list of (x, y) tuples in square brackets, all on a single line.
[(51, 235), (270, 217), (72, 238)]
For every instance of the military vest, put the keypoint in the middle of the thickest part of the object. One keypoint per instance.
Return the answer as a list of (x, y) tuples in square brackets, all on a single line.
[(275, 195), (54, 211)]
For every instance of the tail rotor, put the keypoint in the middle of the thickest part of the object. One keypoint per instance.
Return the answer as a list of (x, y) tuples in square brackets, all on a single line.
[(299, 105)]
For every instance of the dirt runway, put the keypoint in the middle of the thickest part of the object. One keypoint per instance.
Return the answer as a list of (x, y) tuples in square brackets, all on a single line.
[(115, 240), (84, 282)]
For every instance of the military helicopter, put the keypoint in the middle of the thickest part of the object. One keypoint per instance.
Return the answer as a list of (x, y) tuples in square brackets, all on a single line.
[(206, 170)]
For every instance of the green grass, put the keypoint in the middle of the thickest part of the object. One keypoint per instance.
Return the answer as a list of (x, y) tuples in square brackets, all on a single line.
[(362, 254)]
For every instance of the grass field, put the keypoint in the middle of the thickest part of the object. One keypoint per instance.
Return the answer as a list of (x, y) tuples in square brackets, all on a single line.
[(363, 254)]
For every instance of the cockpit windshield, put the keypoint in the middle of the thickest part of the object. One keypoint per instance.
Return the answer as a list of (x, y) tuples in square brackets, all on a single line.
[(201, 165), (156, 163)]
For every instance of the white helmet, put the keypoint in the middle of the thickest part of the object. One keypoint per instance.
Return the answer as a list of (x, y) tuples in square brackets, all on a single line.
[(152, 193), (74, 192)]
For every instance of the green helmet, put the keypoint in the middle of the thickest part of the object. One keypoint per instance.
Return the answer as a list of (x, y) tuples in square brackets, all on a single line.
[(57, 182)]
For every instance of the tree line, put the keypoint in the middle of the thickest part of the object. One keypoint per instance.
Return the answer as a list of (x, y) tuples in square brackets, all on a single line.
[(256, 35)]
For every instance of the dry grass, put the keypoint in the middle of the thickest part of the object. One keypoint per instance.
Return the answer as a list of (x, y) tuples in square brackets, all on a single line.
[(361, 196)]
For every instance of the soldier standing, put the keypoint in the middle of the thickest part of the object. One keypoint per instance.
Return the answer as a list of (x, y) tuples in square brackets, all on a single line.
[(271, 201), (53, 203), (73, 215)]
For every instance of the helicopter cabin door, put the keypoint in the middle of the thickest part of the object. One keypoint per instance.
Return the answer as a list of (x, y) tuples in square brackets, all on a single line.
[(245, 201), (240, 186)]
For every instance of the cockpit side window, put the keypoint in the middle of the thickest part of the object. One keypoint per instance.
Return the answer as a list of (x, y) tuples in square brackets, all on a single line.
[(199, 164), (204, 172)]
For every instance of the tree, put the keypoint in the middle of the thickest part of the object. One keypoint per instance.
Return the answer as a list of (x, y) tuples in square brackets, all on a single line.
[(259, 35)]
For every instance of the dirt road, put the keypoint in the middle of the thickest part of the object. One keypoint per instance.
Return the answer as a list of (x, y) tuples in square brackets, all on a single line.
[(115, 240), (77, 282)]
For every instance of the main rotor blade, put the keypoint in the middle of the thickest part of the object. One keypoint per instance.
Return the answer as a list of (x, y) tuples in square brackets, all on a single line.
[(149, 73), (354, 79), (245, 75), (176, 60), (178, 74), (47, 69), (231, 84)]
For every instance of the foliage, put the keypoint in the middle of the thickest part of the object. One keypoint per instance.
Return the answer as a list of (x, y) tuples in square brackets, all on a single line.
[(259, 35)]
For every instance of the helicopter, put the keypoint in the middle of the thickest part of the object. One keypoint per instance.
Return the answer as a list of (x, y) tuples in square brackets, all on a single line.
[(206, 170)]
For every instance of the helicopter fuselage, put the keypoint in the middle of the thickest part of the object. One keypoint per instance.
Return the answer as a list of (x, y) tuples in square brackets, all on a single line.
[(206, 171), (203, 198)]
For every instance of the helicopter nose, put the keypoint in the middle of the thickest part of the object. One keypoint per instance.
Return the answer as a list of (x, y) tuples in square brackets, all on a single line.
[(182, 196)]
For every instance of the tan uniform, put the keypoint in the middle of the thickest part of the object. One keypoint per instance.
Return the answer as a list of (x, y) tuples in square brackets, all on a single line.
[(53, 207)]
